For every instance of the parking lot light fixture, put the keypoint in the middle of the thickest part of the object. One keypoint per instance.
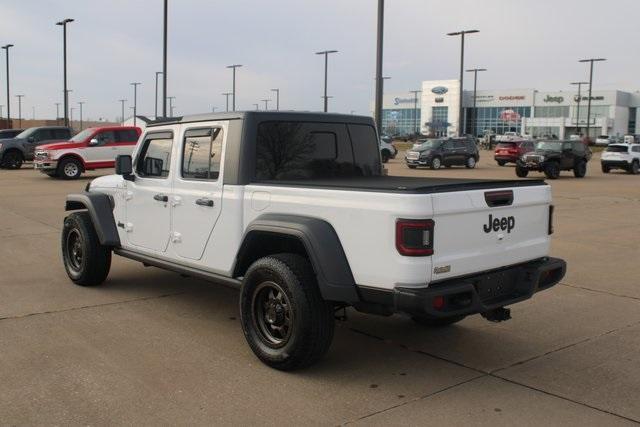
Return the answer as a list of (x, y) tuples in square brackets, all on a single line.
[(266, 104), (474, 122), (415, 111), (326, 66), (6, 51), (156, 103), (81, 103), (135, 100), (19, 110), (233, 90), (590, 61), (579, 84), (226, 95), (122, 101), (379, 63), (63, 24), (462, 35), (171, 98), (277, 91)]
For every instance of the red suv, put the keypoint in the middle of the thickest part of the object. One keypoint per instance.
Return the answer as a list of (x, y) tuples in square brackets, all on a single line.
[(510, 151), (93, 148)]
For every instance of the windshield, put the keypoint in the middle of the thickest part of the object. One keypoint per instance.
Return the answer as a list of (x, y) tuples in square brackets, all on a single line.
[(82, 135), (549, 145), (617, 149), (430, 144), (26, 133)]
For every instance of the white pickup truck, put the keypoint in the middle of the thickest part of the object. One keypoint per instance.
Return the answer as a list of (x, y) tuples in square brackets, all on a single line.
[(294, 208)]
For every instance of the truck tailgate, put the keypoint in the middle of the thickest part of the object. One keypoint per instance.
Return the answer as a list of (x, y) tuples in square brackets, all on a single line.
[(482, 230)]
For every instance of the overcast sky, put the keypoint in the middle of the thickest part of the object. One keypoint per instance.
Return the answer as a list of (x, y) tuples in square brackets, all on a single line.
[(523, 43)]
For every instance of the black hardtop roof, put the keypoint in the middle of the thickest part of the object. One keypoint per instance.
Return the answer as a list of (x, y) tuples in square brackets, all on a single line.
[(306, 116)]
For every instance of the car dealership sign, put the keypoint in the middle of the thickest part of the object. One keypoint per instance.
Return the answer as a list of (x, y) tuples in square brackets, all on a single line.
[(398, 101), (439, 90)]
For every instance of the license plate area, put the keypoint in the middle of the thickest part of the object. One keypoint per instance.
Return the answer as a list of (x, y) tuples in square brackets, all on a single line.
[(497, 286)]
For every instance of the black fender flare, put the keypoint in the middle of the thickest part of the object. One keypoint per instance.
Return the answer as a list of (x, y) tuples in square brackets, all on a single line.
[(322, 245), (100, 207)]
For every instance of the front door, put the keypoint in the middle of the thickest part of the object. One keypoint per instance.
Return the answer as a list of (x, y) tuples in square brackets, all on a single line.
[(148, 209), (567, 155), (104, 152), (197, 199)]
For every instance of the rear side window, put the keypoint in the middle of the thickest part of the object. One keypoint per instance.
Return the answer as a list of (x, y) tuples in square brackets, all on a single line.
[(155, 158), (127, 135), (43, 134), (301, 150), (201, 153), (617, 149), (106, 137), (636, 149), (61, 134)]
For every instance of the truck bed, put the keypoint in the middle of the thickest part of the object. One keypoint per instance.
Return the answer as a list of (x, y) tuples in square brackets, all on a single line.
[(401, 184)]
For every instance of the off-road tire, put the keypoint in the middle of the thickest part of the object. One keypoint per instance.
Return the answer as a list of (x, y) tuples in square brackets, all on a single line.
[(12, 159), (436, 163), (634, 168), (605, 169), (310, 321), (86, 261), (552, 170), (521, 172), (69, 168), (580, 169), (437, 322)]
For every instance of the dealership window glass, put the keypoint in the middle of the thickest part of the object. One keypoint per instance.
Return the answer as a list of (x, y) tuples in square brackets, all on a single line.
[(301, 150), (201, 153), (400, 121), (632, 120), (496, 120), (155, 157), (596, 111)]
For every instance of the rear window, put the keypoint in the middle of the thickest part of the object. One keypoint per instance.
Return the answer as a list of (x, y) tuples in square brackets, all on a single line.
[(302, 150), (618, 149)]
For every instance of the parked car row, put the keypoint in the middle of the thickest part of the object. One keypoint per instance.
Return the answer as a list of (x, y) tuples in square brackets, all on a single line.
[(56, 153)]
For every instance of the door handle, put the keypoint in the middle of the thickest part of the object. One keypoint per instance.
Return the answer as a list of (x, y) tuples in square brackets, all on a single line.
[(161, 198), (205, 202)]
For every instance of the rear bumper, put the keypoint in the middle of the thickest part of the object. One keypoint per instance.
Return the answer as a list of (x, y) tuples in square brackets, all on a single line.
[(469, 295), (613, 164), (505, 158)]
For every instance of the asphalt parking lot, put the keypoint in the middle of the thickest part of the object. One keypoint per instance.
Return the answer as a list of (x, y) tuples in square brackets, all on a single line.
[(151, 347)]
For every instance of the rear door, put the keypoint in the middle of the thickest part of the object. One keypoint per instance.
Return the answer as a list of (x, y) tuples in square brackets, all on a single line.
[(481, 230), (197, 200)]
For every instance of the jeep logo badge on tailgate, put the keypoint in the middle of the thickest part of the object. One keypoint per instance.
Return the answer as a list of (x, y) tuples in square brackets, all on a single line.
[(497, 224)]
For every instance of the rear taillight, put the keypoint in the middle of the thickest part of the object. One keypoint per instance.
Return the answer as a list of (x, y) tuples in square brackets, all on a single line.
[(550, 219), (414, 237)]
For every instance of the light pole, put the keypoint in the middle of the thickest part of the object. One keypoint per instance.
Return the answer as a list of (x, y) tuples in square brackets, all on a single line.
[(226, 95), (57, 112), (257, 106), (415, 111), (266, 104), (33, 112), (80, 103), (1, 110), (579, 84), (277, 91), (475, 72), (379, 78), (233, 91), (135, 100), (6, 50), (326, 66), (122, 101), (590, 61), (164, 60), (64, 23), (461, 34), (156, 103), (213, 109), (71, 116), (19, 110), (171, 98)]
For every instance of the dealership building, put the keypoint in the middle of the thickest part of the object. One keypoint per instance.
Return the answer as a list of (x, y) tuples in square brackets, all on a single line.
[(525, 111)]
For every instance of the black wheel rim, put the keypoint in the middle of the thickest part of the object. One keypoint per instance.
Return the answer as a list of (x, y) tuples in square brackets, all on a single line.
[(272, 315), (74, 250)]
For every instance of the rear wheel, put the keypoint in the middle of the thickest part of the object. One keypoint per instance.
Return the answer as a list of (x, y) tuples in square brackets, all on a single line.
[(285, 320), (580, 169), (605, 169), (501, 162), (634, 168), (385, 156), (437, 322), (86, 261), (412, 166), (470, 163), (436, 163), (70, 168), (12, 160), (521, 172), (552, 170)]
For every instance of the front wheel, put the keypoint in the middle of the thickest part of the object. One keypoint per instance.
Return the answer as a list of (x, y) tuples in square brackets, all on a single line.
[(470, 163), (634, 168), (605, 169), (436, 163), (12, 160), (521, 172), (501, 162), (70, 169), (385, 156), (86, 261), (437, 322), (552, 170), (285, 320), (580, 169)]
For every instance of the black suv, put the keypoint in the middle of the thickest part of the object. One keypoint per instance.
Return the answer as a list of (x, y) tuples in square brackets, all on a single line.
[(553, 156), (444, 152), (14, 151)]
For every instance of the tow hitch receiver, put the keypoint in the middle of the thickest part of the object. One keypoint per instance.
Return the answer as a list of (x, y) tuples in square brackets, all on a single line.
[(499, 314)]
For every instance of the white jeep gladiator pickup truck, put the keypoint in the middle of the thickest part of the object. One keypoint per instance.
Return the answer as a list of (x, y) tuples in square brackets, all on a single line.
[(294, 209)]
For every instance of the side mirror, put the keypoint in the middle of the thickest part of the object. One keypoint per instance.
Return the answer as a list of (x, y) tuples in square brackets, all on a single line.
[(124, 167), (93, 142), (31, 139)]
